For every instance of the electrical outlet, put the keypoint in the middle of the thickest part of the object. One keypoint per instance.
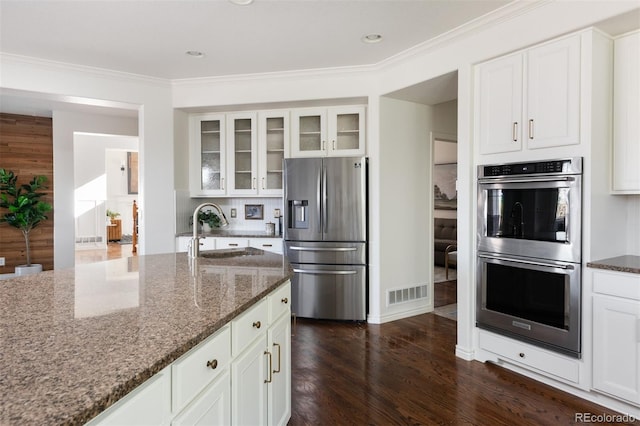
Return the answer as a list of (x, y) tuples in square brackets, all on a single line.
[(1, 261), (276, 213), (234, 213)]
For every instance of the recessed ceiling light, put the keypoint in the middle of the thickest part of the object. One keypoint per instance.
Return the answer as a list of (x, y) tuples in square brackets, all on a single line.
[(194, 53), (241, 2), (372, 38)]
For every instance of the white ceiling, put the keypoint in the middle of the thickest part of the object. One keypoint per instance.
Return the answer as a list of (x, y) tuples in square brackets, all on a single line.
[(151, 37)]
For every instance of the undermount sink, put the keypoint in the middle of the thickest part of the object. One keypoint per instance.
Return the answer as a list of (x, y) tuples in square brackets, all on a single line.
[(231, 252)]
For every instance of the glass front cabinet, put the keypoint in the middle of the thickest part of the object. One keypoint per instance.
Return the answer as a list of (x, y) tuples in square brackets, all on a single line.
[(207, 171), (335, 131), (238, 154)]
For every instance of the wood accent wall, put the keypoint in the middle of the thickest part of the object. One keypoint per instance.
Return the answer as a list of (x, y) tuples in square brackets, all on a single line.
[(26, 148)]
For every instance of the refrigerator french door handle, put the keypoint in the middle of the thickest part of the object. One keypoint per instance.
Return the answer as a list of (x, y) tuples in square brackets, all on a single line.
[(340, 249), (324, 200), (314, 272), (318, 201)]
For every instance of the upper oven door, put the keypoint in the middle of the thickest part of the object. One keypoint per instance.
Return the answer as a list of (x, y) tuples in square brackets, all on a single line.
[(533, 216)]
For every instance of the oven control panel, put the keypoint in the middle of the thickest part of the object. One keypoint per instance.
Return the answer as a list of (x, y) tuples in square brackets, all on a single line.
[(565, 166)]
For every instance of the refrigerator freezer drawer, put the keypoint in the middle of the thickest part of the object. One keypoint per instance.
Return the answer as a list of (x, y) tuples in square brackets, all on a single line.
[(336, 292), (326, 253)]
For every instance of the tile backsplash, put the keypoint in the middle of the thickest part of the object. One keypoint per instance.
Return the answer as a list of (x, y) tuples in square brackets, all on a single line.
[(185, 205)]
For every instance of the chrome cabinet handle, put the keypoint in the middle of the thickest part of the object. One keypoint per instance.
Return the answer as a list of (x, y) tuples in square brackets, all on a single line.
[(213, 364), (222, 181), (263, 183), (270, 379), (515, 131), (531, 129), (233, 244), (334, 144), (253, 186), (279, 350), (257, 324)]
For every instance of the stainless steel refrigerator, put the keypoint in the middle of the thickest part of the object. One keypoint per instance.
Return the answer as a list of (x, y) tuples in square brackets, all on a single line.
[(325, 233)]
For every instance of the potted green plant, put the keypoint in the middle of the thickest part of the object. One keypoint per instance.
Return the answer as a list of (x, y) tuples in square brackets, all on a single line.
[(25, 209), (112, 215), (209, 218)]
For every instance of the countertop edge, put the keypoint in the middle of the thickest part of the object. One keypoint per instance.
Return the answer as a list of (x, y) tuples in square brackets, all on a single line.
[(629, 264), (142, 376)]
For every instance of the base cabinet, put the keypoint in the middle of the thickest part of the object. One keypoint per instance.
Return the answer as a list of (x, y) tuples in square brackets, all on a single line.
[(241, 375), (616, 335)]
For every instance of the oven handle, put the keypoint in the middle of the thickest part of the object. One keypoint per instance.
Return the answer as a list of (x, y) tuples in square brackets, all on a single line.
[(527, 262), (528, 179)]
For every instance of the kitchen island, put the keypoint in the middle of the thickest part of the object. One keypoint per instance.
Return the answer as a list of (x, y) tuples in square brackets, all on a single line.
[(74, 341)]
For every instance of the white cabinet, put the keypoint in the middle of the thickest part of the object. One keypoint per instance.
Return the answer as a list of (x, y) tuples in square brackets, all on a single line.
[(223, 243), (148, 404), (616, 335), (240, 375), (242, 143), (531, 97), (261, 370), (182, 244), (268, 244), (626, 113), (335, 131), (273, 147), (207, 155)]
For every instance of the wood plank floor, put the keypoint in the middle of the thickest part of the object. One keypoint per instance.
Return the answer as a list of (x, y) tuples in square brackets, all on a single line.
[(112, 251), (405, 373)]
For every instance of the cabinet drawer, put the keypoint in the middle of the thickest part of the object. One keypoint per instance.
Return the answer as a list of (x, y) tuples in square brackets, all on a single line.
[(279, 302), (268, 244), (223, 243), (249, 326), (197, 368), (617, 284), (528, 356)]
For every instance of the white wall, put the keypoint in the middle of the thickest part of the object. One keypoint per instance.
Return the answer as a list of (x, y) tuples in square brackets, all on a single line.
[(81, 85), (403, 254), (65, 125), (445, 146), (99, 181)]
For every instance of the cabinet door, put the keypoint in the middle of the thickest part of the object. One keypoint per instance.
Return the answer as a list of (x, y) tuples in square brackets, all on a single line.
[(273, 147), (243, 150), (267, 244), (346, 130), (309, 132), (279, 389), (616, 347), (499, 105), (249, 390), (626, 110), (553, 94), (207, 155), (213, 407)]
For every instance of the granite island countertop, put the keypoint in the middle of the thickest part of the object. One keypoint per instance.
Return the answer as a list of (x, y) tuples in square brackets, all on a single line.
[(73, 341), (627, 263)]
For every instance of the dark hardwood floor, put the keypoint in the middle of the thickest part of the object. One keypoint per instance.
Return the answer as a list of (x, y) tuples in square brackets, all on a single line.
[(445, 293), (405, 373)]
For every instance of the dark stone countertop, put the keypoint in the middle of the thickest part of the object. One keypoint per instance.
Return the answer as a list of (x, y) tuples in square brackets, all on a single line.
[(74, 341), (627, 263)]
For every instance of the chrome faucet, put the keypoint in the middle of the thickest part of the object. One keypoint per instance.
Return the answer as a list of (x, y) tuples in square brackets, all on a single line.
[(194, 244)]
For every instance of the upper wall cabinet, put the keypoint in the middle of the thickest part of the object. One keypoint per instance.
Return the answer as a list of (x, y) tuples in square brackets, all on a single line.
[(243, 153), (238, 154), (273, 147), (531, 97), (626, 114), (336, 131), (207, 155)]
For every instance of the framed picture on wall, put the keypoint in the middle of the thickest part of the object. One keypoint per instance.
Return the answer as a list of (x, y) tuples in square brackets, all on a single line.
[(445, 196), (253, 211)]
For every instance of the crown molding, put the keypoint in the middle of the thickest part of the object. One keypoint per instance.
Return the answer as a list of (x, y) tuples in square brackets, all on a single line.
[(84, 69)]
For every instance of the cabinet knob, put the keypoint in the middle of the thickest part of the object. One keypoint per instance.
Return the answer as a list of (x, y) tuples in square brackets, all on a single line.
[(285, 300), (521, 354), (213, 364), (257, 324)]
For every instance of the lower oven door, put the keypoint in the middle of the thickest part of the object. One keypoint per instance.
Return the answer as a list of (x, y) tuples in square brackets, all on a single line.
[(530, 299)]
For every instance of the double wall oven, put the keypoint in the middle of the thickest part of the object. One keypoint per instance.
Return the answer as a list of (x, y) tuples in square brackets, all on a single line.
[(529, 252)]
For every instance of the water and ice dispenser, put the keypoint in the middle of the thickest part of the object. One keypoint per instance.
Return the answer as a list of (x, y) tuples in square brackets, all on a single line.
[(298, 214)]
